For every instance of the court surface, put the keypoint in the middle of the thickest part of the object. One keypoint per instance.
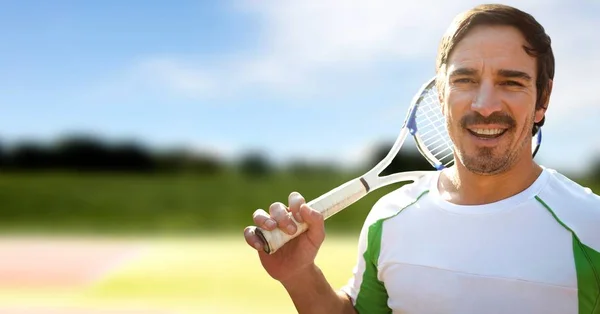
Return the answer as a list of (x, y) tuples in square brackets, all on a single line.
[(95, 275)]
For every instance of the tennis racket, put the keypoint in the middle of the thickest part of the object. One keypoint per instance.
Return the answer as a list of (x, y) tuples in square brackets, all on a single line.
[(425, 122), (537, 141)]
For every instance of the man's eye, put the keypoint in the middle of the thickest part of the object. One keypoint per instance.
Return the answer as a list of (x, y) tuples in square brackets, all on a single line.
[(512, 83), (463, 80)]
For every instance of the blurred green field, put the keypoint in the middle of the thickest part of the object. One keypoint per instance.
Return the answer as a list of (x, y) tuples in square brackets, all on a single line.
[(156, 204), (189, 275)]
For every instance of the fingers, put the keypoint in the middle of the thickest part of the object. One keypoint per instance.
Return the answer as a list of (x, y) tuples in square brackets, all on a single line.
[(283, 218), (315, 222), (280, 216), (252, 239), (311, 216), (264, 220), (295, 200)]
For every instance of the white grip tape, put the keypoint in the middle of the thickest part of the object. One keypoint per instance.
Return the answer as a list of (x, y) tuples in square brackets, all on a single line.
[(328, 204)]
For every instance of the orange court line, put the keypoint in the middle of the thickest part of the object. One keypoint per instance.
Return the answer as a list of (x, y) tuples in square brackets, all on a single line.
[(63, 263)]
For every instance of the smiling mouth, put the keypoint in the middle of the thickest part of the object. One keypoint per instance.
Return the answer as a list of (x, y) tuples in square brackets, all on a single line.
[(487, 133)]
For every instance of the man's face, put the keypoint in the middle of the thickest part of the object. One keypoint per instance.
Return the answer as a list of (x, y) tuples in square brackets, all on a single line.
[(490, 97)]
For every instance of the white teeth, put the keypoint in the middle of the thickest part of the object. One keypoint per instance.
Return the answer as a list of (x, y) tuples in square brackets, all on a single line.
[(487, 131)]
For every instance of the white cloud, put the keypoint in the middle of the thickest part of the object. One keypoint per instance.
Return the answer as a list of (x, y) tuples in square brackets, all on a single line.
[(307, 41), (315, 44), (175, 75)]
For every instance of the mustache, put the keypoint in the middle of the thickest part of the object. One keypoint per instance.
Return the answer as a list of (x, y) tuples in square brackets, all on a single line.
[(495, 118)]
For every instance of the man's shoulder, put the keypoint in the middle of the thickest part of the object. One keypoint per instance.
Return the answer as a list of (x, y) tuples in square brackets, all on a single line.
[(395, 201), (577, 207), (564, 191)]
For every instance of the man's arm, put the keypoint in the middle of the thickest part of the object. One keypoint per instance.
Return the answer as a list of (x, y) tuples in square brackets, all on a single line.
[(311, 293)]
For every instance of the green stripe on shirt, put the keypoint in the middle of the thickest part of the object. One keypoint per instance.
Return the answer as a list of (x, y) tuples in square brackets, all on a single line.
[(587, 266), (372, 296)]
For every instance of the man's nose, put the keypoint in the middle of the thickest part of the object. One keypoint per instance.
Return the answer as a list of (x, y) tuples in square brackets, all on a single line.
[(486, 100)]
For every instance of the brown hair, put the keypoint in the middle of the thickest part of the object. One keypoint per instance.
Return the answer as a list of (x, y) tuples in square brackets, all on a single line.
[(497, 14)]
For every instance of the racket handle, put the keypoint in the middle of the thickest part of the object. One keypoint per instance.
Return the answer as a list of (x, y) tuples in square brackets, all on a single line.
[(327, 204)]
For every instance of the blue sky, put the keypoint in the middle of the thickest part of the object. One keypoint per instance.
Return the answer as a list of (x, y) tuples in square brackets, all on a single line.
[(319, 80)]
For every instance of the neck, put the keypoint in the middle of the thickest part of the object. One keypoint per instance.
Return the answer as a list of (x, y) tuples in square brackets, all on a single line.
[(460, 186)]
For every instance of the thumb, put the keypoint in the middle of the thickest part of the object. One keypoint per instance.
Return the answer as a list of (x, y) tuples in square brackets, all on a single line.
[(315, 222)]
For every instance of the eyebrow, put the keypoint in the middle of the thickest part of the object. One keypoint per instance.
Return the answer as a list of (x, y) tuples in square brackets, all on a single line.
[(514, 74), (463, 71), (502, 72)]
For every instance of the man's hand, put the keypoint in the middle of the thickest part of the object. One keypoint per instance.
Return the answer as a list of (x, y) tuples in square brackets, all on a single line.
[(299, 253)]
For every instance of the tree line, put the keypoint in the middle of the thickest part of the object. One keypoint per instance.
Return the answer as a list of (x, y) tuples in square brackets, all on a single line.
[(83, 153), (91, 154)]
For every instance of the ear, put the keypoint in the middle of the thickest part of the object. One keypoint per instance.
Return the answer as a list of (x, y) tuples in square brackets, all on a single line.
[(540, 113)]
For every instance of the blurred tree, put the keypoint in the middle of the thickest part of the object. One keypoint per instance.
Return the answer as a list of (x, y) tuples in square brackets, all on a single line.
[(404, 161), (131, 157), (85, 153), (174, 160), (82, 153), (255, 164), (182, 160), (206, 164), (88, 153), (30, 156), (594, 174), (2, 156)]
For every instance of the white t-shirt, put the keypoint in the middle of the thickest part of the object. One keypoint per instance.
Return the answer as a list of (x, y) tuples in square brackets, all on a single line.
[(535, 252)]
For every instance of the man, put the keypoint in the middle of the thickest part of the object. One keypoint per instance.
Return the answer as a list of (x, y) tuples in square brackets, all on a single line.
[(496, 233)]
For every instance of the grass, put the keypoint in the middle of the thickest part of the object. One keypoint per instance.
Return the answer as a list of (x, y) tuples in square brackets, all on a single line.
[(156, 204), (192, 275), (167, 204)]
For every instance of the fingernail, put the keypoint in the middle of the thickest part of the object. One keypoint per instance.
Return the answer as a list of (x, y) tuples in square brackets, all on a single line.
[(257, 245), (291, 229), (270, 224)]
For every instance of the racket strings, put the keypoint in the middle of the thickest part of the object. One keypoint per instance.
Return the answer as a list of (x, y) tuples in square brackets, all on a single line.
[(432, 132)]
